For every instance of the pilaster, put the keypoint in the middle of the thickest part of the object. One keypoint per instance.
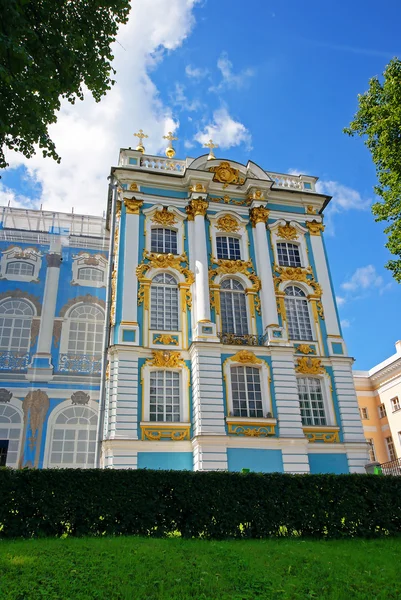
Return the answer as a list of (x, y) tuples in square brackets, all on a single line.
[(347, 400), (207, 390), (123, 394)]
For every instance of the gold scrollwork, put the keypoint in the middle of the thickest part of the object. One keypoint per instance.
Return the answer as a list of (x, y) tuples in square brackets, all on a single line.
[(309, 366), (227, 223), (232, 267), (224, 173), (327, 436), (165, 358), (113, 297), (198, 187), (305, 349), (301, 274), (132, 206), (176, 434), (133, 187), (314, 227), (246, 357), (164, 261), (287, 232), (164, 217), (165, 338), (310, 210), (198, 207), (254, 431), (258, 214)]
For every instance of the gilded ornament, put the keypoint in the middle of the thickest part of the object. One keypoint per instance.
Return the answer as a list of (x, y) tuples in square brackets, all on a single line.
[(5, 395), (140, 135), (199, 207), (190, 212), (118, 208), (227, 223), (309, 366), (133, 187), (301, 274), (80, 398), (132, 206), (166, 339), (254, 431), (35, 406), (170, 152), (256, 195), (310, 210), (156, 433), (326, 436), (211, 147), (165, 358), (198, 187), (246, 357), (287, 232), (258, 214), (314, 227), (305, 349), (226, 174), (164, 217)]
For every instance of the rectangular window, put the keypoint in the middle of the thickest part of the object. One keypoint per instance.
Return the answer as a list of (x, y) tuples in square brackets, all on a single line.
[(311, 401), (364, 413), (390, 448), (164, 396), (163, 241), (228, 248), (382, 411), (246, 392), (372, 454), (288, 255), (395, 404)]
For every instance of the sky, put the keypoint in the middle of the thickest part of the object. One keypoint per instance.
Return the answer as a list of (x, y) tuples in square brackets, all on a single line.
[(272, 81)]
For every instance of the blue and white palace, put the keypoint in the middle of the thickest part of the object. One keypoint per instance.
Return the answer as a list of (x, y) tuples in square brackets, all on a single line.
[(208, 281)]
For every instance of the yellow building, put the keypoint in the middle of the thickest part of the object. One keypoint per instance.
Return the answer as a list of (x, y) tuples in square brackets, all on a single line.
[(379, 398)]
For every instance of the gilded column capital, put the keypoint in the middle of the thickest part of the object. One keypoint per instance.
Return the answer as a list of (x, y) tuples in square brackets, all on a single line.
[(198, 207), (314, 227), (132, 206), (258, 214)]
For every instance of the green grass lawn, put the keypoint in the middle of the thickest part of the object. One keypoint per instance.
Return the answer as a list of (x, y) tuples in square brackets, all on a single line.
[(142, 568)]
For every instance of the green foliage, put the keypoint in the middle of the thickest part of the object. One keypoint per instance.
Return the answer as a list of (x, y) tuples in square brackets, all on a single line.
[(215, 505), (128, 568), (48, 51), (379, 120)]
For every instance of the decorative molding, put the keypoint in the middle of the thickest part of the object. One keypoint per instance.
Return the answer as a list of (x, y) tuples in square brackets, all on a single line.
[(23, 296), (162, 431), (80, 398), (132, 206), (198, 207), (287, 232), (309, 366), (164, 261), (233, 267), (305, 349), (224, 173), (301, 274), (251, 430), (256, 195), (314, 227), (227, 200), (164, 217), (57, 327), (113, 297), (133, 187), (5, 396), (35, 406), (246, 357), (328, 436), (310, 210), (190, 212), (166, 339), (227, 223), (165, 359), (198, 187), (35, 326), (87, 298), (258, 214)]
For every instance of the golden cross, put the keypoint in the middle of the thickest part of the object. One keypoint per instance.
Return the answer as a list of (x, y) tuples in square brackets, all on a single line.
[(140, 135), (169, 137), (210, 145)]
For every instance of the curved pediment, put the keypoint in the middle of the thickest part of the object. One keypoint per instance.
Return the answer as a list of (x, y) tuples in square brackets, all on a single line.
[(229, 172)]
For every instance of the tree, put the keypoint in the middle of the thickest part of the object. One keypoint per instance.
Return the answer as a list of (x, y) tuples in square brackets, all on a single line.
[(50, 50), (378, 119)]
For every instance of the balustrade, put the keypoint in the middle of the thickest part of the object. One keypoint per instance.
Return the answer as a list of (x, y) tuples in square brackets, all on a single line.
[(242, 340), (13, 361), (162, 164), (87, 364)]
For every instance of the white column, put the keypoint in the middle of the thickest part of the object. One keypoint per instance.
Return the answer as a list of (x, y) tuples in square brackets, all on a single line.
[(347, 400), (323, 278), (259, 215)]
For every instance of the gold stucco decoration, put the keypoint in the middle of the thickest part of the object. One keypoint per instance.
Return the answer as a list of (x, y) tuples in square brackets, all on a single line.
[(155, 433), (164, 261), (287, 232), (309, 366), (305, 349), (256, 195), (326, 436), (165, 338), (164, 217), (198, 187), (233, 267), (132, 206), (258, 214), (246, 357), (315, 228), (133, 187), (310, 210), (224, 173), (165, 358), (301, 274), (227, 223), (199, 207)]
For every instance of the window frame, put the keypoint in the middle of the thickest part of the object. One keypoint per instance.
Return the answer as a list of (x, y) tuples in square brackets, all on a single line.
[(66, 329), (15, 426), (292, 243), (390, 447), (382, 410), (184, 380), (14, 316), (267, 403), (371, 450), (245, 297), (308, 306), (85, 260), (300, 240), (241, 234), (228, 236), (395, 404), (327, 396), (29, 255), (177, 287), (363, 410), (178, 226), (157, 227)]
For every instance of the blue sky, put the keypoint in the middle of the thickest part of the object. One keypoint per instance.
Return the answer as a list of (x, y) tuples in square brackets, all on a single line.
[(271, 81)]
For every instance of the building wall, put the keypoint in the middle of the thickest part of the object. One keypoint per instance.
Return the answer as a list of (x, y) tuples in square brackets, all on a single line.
[(376, 388), (49, 390)]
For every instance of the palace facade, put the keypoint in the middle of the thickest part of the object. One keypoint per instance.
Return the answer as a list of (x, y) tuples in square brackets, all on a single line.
[(224, 347)]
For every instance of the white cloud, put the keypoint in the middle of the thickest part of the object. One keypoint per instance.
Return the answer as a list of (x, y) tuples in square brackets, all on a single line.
[(229, 78), (195, 72), (364, 278), (9, 198), (345, 323), (344, 198), (179, 99), (89, 135), (225, 131), (188, 144), (340, 300)]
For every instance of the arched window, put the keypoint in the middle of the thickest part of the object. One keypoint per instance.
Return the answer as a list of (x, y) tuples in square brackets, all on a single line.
[(10, 430), (90, 274), (228, 247), (298, 319), (73, 438), (164, 303), (246, 392), (233, 307), (163, 241), (86, 324), (18, 267), (15, 325), (288, 254), (164, 397), (311, 401)]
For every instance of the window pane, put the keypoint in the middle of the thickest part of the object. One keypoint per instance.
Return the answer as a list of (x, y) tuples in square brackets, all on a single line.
[(297, 311), (233, 308), (228, 248), (311, 401), (164, 396), (15, 325), (164, 303), (163, 241), (90, 274), (288, 254), (20, 268), (246, 392)]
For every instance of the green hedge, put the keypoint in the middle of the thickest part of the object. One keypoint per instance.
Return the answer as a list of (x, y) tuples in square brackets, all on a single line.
[(212, 505)]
